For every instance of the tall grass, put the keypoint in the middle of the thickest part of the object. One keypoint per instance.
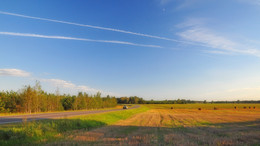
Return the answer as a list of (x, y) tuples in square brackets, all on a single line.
[(37, 131)]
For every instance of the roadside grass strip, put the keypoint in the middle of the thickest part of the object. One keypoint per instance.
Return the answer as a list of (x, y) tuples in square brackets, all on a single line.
[(37, 132)]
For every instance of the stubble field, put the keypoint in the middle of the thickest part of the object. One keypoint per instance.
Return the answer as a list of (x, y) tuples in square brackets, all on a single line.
[(182, 125)]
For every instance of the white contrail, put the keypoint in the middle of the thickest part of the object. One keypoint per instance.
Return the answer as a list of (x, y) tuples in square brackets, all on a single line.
[(96, 27), (79, 39)]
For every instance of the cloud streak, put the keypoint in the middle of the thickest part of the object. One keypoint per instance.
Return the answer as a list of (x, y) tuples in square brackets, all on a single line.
[(253, 2), (93, 26), (14, 72), (219, 44), (78, 39)]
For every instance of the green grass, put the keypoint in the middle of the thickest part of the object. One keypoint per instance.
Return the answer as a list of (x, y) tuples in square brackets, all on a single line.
[(37, 132), (201, 105), (17, 114), (112, 117)]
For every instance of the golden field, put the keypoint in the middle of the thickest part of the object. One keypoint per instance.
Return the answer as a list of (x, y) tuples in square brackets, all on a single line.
[(161, 125)]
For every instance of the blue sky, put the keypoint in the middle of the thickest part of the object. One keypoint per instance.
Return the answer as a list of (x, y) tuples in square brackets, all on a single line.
[(156, 49)]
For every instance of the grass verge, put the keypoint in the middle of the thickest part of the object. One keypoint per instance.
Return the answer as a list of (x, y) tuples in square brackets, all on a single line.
[(37, 132), (18, 114)]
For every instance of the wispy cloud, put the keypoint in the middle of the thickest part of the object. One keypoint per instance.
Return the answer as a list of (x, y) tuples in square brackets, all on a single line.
[(62, 84), (91, 26), (220, 44), (105, 28), (73, 38), (73, 87), (58, 82), (254, 2), (202, 35), (14, 72)]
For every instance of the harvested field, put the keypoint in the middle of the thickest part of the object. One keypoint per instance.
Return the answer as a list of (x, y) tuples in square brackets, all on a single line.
[(189, 117), (203, 106), (177, 127)]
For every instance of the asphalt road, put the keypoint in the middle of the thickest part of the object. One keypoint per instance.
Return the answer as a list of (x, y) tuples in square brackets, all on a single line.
[(30, 117)]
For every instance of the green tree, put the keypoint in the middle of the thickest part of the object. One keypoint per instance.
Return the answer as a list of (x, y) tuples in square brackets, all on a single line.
[(82, 101), (34, 99), (2, 105), (68, 102)]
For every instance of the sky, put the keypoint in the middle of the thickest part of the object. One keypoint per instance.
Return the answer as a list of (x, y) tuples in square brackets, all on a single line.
[(155, 49)]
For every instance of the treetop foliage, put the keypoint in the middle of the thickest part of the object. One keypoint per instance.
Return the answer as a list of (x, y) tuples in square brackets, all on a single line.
[(34, 99)]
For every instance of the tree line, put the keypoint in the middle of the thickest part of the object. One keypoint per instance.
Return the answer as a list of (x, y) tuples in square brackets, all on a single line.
[(139, 100), (34, 99)]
